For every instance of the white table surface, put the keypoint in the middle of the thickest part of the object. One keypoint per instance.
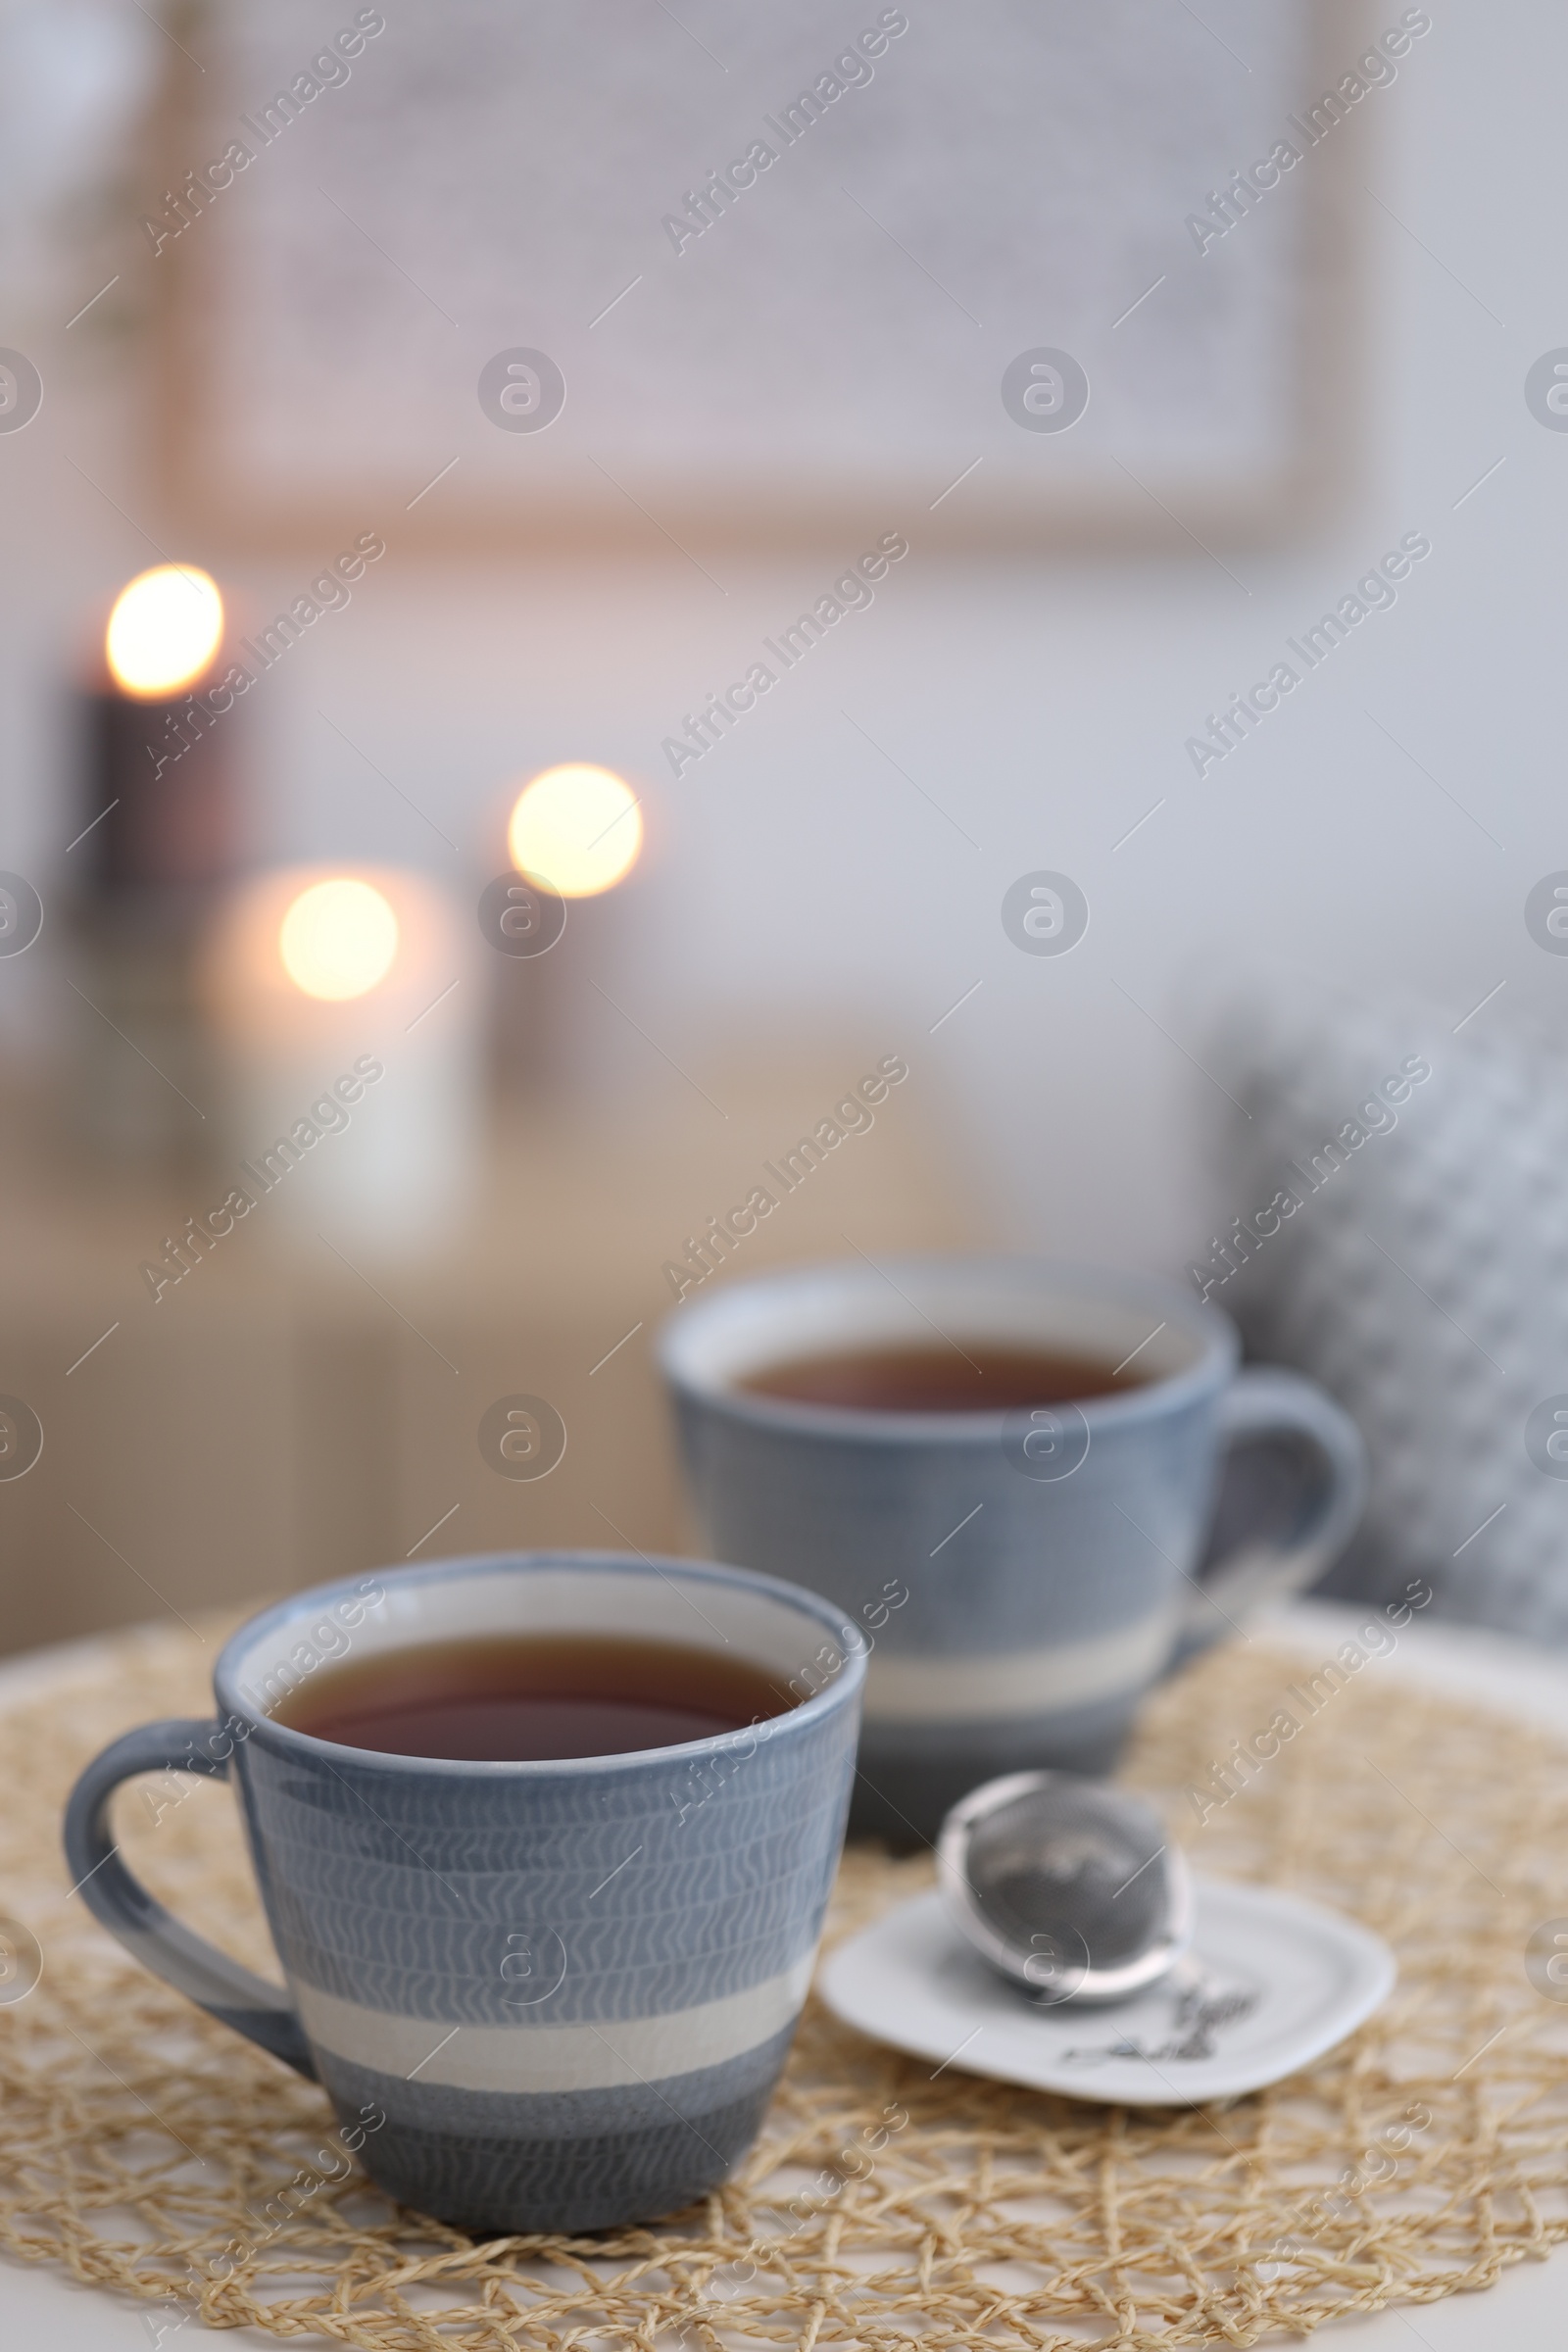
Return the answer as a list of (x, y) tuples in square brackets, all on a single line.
[(41, 2308)]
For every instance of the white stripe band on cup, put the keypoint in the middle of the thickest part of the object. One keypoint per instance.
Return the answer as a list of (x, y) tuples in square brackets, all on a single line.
[(1028, 1682), (606, 2055)]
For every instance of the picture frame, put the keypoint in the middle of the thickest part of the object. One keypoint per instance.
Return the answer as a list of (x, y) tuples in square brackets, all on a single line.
[(1029, 282)]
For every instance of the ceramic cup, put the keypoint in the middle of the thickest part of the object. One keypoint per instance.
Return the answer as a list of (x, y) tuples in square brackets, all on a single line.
[(541, 1996), (1018, 1580)]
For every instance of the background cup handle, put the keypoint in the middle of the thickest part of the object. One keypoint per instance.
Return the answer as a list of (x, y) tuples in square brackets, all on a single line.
[(1282, 1415), (151, 1935)]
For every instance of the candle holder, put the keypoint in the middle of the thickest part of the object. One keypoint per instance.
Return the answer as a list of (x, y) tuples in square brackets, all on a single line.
[(574, 835), (345, 1004), (158, 811)]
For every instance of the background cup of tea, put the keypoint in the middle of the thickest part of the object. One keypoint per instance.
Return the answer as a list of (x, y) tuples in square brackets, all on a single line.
[(543, 1993), (1004, 1472)]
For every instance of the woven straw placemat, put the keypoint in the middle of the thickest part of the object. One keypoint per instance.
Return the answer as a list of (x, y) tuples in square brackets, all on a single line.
[(152, 2153)]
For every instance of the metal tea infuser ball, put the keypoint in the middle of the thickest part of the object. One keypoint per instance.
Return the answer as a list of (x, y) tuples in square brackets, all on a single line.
[(1068, 1886)]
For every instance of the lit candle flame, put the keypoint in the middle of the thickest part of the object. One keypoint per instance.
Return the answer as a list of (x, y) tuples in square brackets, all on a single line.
[(577, 829), (339, 939), (164, 630)]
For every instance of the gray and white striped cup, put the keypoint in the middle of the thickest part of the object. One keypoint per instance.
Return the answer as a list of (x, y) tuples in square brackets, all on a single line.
[(1019, 1579), (540, 1996)]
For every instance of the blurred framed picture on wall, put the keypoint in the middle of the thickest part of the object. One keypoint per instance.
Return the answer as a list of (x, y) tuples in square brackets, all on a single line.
[(511, 275)]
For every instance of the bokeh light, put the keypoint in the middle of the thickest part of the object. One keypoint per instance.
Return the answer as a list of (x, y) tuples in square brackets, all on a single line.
[(576, 828), (164, 630), (339, 939)]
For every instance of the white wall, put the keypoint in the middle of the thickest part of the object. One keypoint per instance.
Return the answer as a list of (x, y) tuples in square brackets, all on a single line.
[(794, 873)]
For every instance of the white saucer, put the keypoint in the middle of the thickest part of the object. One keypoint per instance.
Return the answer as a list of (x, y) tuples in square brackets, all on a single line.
[(1271, 1982)]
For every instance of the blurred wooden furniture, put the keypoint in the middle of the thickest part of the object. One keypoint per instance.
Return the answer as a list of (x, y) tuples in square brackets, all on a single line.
[(289, 1413)]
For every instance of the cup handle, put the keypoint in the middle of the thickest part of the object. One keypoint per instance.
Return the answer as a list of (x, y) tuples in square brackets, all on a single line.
[(1261, 1404), (120, 1902)]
